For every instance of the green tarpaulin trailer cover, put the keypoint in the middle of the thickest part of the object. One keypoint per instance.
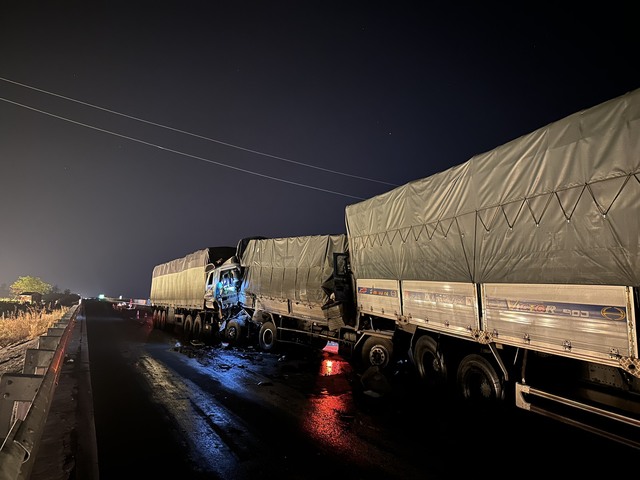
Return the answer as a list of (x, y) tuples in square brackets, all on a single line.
[(559, 205), (294, 268), (181, 282)]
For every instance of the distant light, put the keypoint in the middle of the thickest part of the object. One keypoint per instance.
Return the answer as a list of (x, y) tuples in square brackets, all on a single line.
[(101, 296)]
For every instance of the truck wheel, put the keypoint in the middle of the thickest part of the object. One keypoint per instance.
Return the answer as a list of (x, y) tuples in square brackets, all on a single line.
[(478, 380), (430, 362), (233, 331), (267, 336), (197, 327), (187, 328), (377, 352)]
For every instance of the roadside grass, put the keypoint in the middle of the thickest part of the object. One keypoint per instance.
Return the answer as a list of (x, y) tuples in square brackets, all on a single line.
[(22, 325)]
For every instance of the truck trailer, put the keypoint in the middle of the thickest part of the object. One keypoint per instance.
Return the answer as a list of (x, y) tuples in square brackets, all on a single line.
[(300, 290), (514, 276), (196, 293)]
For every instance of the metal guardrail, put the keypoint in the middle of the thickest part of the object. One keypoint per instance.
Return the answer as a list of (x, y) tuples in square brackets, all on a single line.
[(25, 399)]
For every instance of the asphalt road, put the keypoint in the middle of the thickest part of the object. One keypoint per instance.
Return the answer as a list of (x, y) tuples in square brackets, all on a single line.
[(166, 409), (218, 412)]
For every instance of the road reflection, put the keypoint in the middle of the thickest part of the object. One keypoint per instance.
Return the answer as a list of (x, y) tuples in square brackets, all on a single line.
[(330, 406)]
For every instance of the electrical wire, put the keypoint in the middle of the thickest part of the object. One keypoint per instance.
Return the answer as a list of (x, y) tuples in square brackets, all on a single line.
[(180, 153), (196, 135)]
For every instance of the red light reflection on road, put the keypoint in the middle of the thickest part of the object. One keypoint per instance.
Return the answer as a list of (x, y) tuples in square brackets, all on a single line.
[(332, 404)]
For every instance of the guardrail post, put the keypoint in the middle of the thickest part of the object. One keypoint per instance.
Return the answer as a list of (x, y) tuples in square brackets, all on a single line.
[(55, 331), (37, 361), (16, 387), (48, 343)]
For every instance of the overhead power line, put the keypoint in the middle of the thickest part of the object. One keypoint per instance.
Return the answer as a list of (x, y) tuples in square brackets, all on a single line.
[(196, 135), (178, 152)]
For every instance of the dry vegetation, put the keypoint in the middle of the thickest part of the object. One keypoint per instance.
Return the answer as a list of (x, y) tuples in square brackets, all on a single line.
[(20, 330), (28, 324)]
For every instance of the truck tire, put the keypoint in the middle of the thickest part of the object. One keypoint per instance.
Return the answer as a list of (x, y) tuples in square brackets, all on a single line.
[(430, 363), (187, 328), (267, 336), (377, 352), (233, 331), (197, 327), (478, 381)]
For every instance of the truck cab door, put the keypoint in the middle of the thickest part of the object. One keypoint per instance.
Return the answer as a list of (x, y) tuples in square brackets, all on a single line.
[(210, 288), (342, 278)]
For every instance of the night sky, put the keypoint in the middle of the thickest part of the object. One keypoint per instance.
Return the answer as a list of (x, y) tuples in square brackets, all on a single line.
[(133, 133)]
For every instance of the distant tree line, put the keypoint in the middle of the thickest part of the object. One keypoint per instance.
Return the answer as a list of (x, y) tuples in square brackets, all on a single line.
[(39, 292)]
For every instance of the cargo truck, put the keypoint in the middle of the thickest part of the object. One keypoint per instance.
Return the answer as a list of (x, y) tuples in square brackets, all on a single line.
[(300, 290), (514, 276), (197, 292)]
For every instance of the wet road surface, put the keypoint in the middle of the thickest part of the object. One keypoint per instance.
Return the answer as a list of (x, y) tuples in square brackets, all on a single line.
[(164, 409)]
